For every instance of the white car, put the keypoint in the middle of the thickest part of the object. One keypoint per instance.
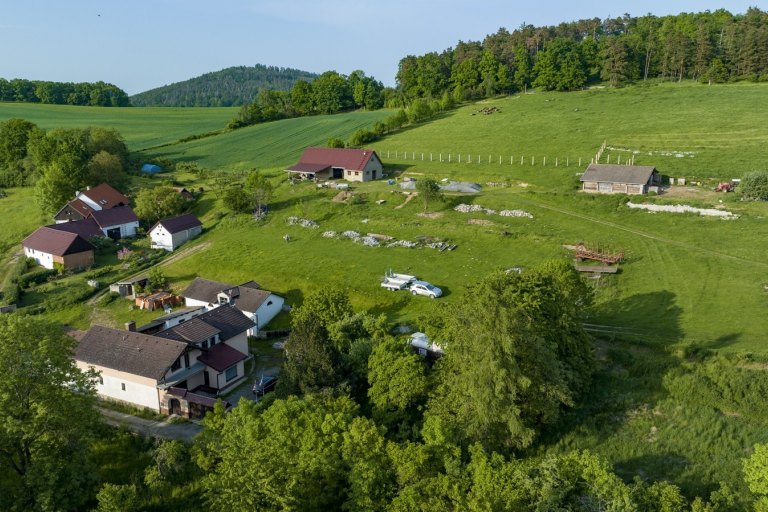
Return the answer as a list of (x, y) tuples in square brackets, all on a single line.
[(424, 288)]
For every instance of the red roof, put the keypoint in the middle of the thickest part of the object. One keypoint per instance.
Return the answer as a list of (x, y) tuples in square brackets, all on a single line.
[(56, 242), (80, 207), (114, 216), (349, 159), (221, 357), (106, 196)]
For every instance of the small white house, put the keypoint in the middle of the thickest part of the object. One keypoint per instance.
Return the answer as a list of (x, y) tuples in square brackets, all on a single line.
[(260, 306), (170, 233)]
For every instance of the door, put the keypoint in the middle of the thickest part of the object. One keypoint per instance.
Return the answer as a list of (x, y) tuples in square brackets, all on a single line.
[(337, 173), (206, 379), (174, 406), (114, 233)]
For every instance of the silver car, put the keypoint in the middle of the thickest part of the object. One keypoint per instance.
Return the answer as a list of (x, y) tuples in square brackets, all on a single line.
[(424, 288)]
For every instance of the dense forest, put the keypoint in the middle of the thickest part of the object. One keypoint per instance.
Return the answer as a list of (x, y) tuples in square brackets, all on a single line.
[(226, 88), (712, 47), (98, 94)]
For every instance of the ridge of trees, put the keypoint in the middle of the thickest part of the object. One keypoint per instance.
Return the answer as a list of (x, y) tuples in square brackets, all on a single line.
[(230, 87), (713, 47), (329, 93), (97, 94)]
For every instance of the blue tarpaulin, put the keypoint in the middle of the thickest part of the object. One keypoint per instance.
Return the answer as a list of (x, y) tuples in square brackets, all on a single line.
[(151, 168)]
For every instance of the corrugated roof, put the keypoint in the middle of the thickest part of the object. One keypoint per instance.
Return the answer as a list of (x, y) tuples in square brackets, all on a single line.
[(86, 228), (114, 216), (221, 356), (630, 174), (178, 224), (350, 159), (128, 351), (58, 243)]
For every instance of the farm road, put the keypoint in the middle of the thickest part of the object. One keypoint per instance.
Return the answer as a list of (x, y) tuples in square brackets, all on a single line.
[(185, 431), (642, 233)]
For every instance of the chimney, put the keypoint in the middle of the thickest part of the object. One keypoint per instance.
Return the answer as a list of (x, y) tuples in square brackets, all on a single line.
[(130, 326)]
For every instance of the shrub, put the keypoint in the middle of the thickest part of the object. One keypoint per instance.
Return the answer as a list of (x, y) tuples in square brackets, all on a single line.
[(36, 277), (754, 185)]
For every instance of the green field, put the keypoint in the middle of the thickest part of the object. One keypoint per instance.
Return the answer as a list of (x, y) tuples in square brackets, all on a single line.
[(688, 282)]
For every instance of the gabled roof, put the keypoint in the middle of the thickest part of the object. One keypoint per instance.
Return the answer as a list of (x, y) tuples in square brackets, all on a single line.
[(76, 205), (221, 356), (322, 158), (225, 320), (86, 228), (630, 174), (247, 296), (114, 216), (128, 351), (178, 224), (106, 196), (58, 243)]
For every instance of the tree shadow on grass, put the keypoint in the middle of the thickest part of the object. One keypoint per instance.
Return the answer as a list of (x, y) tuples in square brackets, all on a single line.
[(630, 367)]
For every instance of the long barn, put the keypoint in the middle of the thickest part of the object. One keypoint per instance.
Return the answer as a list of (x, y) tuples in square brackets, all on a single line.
[(619, 179)]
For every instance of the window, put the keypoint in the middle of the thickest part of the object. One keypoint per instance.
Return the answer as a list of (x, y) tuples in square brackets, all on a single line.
[(231, 373), (176, 365), (123, 386)]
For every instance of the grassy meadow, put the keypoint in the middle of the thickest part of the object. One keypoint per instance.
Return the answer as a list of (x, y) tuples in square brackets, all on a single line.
[(684, 340)]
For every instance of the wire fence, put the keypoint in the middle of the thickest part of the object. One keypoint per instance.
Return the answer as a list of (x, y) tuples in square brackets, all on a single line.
[(519, 160)]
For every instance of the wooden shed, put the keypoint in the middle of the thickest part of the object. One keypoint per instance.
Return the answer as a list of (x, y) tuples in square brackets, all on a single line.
[(619, 179)]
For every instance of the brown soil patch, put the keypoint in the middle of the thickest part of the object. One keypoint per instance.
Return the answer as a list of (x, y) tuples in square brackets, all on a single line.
[(481, 222), (342, 196), (430, 215), (693, 192)]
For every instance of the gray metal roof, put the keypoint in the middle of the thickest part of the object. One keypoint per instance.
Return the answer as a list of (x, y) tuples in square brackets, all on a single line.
[(225, 320), (629, 174)]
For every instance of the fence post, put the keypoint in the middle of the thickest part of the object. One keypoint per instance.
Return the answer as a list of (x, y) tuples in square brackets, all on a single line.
[(459, 157), (422, 157), (413, 155), (449, 158), (555, 161), (430, 157), (533, 161), (521, 160), (545, 162), (579, 162)]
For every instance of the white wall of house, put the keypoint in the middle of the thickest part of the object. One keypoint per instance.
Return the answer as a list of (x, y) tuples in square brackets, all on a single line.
[(219, 380), (162, 239), (239, 342), (194, 302), (43, 258), (266, 312), (139, 391)]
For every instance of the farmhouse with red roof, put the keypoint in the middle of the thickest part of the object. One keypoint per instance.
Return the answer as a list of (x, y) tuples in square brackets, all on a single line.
[(338, 164)]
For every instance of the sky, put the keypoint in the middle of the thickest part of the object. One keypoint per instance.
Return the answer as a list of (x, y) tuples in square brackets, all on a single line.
[(138, 45)]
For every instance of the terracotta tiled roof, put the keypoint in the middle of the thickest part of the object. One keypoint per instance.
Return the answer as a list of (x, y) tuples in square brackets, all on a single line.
[(128, 351), (178, 224), (630, 174), (56, 242), (114, 216), (322, 158)]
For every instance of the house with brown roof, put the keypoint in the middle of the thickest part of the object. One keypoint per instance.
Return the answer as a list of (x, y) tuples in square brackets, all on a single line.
[(260, 306), (180, 370), (116, 223), (100, 197), (170, 233), (338, 164), (50, 246), (619, 179)]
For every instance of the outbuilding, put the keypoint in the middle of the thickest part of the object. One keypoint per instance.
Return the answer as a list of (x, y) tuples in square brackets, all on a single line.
[(619, 179), (49, 246), (170, 233)]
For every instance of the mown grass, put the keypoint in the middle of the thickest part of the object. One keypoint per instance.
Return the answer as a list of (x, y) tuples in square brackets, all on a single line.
[(141, 127)]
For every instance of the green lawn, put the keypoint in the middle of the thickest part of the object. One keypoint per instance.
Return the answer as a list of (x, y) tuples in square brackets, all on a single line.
[(142, 127)]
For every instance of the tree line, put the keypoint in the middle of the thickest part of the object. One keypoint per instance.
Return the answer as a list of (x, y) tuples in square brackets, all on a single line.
[(97, 94), (329, 93), (230, 87), (713, 47)]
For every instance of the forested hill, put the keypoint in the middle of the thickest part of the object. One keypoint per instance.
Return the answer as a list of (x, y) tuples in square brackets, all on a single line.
[(229, 87)]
